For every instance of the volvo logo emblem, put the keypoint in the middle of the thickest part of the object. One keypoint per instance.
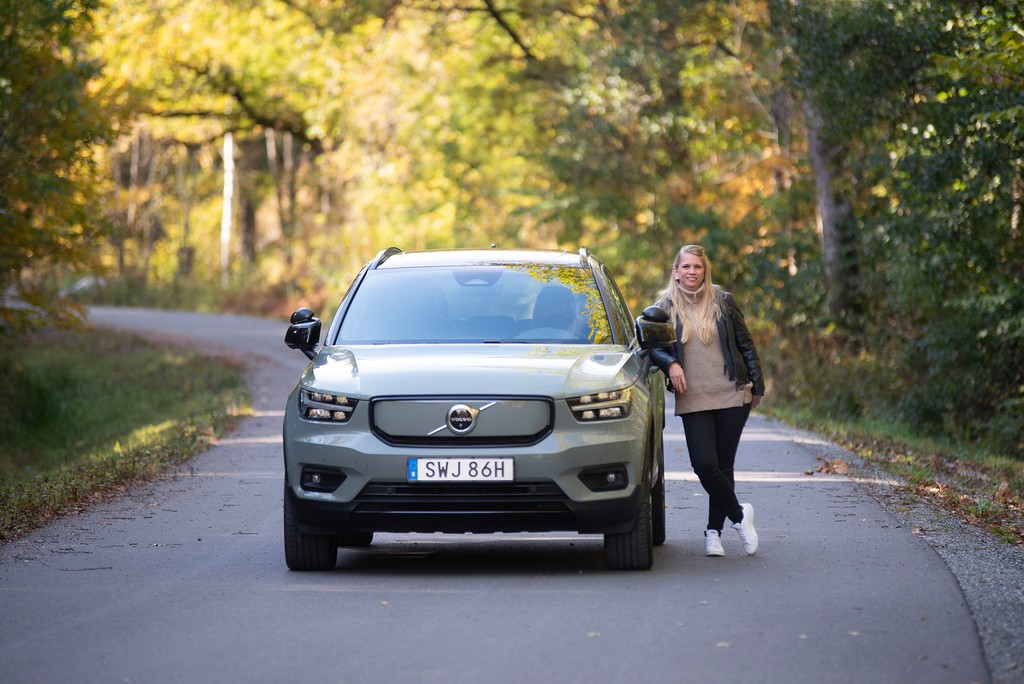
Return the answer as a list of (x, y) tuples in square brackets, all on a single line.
[(461, 419)]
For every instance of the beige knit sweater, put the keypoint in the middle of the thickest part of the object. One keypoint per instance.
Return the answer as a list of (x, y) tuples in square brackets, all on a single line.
[(708, 386)]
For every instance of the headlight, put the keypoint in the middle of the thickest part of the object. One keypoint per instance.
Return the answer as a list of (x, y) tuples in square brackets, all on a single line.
[(602, 406), (327, 407)]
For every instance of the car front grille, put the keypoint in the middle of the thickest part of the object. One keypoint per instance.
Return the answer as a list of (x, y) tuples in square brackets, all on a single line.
[(498, 421)]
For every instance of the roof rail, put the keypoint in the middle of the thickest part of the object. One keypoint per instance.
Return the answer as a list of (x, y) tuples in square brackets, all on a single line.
[(383, 256)]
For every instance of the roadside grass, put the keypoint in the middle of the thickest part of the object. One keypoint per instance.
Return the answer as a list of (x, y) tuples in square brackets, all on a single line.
[(84, 414), (984, 489)]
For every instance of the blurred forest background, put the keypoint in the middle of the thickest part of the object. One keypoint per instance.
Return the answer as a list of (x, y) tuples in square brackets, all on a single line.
[(854, 167)]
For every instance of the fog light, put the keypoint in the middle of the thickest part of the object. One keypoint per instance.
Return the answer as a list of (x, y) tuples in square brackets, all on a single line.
[(320, 479), (606, 479)]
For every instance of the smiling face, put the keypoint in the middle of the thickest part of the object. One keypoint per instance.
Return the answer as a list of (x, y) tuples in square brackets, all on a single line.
[(689, 272)]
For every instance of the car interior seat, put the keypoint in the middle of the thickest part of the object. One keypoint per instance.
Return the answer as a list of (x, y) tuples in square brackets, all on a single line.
[(554, 308)]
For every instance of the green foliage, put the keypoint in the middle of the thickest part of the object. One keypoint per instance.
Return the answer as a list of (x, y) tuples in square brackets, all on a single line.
[(859, 61), (666, 136), (959, 176), (921, 98), (629, 127), (386, 131), (49, 122), (81, 412)]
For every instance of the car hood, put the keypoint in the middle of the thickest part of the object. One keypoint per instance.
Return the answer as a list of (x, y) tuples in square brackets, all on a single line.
[(555, 371)]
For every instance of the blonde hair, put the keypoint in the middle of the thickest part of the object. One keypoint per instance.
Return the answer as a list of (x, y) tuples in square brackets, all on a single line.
[(676, 299)]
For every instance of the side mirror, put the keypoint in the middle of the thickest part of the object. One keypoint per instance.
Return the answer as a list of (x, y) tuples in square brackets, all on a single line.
[(653, 328), (304, 332)]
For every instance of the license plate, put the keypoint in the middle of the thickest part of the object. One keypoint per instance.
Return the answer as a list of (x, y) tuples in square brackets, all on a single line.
[(461, 469)]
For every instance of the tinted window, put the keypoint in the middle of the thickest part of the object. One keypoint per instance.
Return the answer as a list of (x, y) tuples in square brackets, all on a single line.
[(472, 304)]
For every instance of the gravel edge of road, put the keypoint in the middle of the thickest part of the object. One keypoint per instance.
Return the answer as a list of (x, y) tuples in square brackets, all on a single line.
[(990, 572)]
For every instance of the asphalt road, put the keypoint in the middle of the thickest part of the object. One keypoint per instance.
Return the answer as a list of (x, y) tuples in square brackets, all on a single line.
[(183, 580)]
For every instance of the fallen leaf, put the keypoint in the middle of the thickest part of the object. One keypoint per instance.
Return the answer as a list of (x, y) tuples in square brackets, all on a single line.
[(836, 466)]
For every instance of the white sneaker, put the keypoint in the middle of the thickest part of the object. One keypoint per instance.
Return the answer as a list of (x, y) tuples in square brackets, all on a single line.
[(713, 543), (746, 529)]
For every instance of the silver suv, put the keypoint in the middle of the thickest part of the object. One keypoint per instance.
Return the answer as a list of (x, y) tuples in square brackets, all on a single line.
[(477, 391)]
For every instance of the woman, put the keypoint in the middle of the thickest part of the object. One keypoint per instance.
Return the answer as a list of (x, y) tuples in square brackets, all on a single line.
[(716, 375)]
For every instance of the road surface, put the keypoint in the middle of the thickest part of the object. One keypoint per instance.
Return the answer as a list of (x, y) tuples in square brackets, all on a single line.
[(183, 580)]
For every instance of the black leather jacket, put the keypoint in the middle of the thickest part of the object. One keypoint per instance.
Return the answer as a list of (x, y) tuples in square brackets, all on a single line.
[(737, 344)]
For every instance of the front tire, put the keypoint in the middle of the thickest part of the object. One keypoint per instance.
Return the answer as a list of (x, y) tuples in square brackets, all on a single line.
[(306, 552), (632, 550), (658, 526)]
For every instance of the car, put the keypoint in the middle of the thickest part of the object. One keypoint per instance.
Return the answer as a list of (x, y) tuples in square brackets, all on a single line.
[(477, 391)]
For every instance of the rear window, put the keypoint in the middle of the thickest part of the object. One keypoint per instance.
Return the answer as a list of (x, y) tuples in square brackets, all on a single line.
[(474, 304)]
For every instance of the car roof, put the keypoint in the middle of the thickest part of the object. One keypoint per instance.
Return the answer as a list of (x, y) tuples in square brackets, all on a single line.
[(481, 257)]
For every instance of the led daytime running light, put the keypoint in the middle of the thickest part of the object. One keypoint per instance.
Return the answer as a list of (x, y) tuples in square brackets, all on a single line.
[(322, 406), (602, 405)]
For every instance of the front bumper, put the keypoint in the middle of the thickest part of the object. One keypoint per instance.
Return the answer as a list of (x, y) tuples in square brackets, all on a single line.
[(368, 491), (460, 508)]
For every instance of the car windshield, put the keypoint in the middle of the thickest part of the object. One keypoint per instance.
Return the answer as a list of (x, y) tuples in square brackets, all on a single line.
[(476, 304)]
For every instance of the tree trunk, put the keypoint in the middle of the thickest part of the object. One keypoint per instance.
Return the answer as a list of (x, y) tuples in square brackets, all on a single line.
[(1017, 195), (227, 213), (185, 189), (248, 232), (834, 213), (282, 173)]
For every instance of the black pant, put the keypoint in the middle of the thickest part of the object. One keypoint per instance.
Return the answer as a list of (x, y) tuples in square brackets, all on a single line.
[(712, 438)]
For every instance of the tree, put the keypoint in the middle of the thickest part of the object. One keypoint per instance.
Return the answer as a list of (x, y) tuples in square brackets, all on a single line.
[(662, 133), (957, 176), (855, 67), (356, 125), (629, 127), (918, 104), (49, 122)]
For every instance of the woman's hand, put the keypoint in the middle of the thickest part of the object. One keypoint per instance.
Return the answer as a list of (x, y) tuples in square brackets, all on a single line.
[(676, 377), (755, 401)]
